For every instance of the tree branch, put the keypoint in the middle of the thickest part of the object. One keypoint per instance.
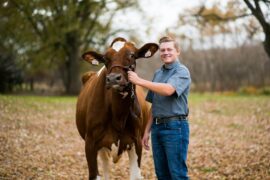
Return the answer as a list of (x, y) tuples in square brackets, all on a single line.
[(92, 26), (29, 18), (225, 19), (257, 12), (250, 6)]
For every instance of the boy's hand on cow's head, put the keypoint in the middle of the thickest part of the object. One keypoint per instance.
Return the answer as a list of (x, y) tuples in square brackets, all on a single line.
[(133, 77)]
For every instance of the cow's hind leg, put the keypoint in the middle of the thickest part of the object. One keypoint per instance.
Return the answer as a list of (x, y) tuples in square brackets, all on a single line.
[(134, 155), (91, 156)]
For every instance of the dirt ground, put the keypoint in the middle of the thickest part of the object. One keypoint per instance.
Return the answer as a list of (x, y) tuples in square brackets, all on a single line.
[(230, 139)]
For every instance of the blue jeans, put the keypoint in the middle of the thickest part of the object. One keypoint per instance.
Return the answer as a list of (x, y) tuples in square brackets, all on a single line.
[(170, 146)]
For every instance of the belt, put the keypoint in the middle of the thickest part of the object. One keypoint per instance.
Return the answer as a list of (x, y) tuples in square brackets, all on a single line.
[(159, 120)]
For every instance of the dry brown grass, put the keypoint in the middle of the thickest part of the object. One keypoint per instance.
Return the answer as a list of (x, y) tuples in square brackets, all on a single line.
[(230, 139)]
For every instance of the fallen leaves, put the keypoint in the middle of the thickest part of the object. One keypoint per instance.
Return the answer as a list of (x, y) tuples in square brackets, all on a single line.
[(229, 139)]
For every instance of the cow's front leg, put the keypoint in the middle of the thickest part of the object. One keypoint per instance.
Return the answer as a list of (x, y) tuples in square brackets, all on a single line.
[(104, 155), (134, 155), (91, 156)]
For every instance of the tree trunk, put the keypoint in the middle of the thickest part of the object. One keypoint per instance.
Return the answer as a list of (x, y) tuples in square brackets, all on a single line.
[(73, 85), (71, 78), (258, 14), (31, 83), (266, 42)]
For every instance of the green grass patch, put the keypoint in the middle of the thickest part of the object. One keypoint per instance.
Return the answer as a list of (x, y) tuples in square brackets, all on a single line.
[(35, 101), (235, 126), (208, 169)]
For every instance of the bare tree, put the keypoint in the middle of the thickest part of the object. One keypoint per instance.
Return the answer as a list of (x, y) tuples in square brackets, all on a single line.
[(256, 10)]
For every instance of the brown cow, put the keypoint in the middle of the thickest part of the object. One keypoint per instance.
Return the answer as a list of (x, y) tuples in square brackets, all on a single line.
[(110, 116)]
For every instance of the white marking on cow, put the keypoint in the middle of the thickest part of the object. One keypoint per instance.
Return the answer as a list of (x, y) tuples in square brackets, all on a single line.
[(135, 171), (114, 152), (133, 43), (98, 178), (115, 86), (148, 53), (104, 155), (124, 94), (95, 62), (118, 45), (98, 73)]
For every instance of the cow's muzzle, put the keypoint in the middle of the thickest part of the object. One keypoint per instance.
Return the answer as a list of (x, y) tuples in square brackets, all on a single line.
[(116, 81)]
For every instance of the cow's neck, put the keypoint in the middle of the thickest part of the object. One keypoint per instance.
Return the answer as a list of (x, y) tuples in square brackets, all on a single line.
[(120, 108), (121, 105), (124, 109)]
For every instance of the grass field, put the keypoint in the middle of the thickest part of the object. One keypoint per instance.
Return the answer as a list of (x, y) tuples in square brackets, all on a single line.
[(230, 139)]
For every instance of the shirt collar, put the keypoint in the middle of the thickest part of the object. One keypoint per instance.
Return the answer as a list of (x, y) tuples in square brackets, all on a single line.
[(171, 66)]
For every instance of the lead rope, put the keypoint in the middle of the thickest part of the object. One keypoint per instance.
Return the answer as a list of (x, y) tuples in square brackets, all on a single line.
[(127, 68), (132, 92), (131, 68), (132, 95)]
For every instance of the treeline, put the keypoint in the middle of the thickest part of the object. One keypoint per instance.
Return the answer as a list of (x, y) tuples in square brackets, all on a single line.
[(228, 69), (41, 43), (211, 70)]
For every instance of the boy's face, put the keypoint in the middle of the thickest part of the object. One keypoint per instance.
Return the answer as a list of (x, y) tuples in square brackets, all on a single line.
[(168, 52)]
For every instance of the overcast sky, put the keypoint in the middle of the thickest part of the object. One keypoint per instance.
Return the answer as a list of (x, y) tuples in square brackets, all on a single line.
[(158, 16)]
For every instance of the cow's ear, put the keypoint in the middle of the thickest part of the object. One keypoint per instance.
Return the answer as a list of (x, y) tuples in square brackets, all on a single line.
[(93, 57), (148, 50)]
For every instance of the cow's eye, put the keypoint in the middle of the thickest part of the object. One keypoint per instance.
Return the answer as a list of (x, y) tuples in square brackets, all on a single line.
[(132, 56)]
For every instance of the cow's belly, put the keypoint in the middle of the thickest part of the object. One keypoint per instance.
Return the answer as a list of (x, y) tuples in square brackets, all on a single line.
[(115, 145), (111, 146), (110, 153)]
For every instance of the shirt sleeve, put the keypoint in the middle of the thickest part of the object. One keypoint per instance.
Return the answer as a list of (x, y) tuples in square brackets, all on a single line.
[(150, 94), (180, 80)]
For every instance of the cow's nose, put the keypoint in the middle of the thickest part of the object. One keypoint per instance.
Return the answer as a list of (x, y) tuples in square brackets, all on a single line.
[(113, 78)]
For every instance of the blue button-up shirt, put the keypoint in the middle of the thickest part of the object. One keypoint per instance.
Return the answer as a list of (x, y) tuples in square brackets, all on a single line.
[(177, 75)]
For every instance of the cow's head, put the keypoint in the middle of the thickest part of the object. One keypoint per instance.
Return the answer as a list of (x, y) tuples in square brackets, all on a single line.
[(119, 58)]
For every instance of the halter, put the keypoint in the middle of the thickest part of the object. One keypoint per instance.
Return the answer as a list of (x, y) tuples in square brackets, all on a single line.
[(130, 67), (133, 96)]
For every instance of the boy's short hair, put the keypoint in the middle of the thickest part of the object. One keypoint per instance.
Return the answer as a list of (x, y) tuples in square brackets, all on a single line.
[(169, 39)]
